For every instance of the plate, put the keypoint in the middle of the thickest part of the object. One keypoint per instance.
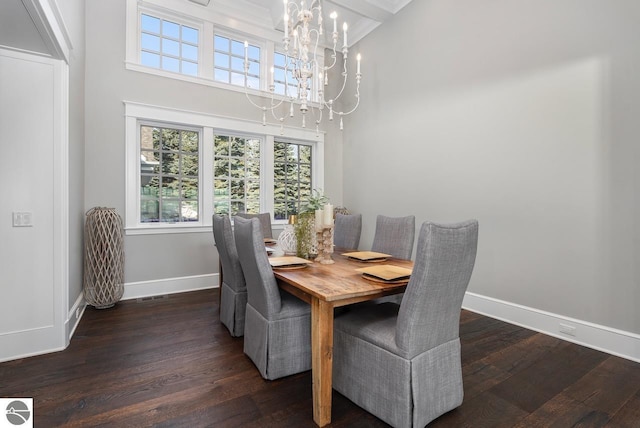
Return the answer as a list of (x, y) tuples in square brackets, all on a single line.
[(289, 267), (367, 256), (386, 273), (288, 262), (384, 281)]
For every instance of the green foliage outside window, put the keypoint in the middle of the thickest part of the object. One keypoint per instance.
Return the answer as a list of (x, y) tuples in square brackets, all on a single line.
[(168, 174), (291, 178), (237, 175)]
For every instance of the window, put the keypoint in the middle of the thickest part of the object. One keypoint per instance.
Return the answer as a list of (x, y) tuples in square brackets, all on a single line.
[(183, 166), (168, 45), (236, 174), (228, 61), (168, 174), (292, 182)]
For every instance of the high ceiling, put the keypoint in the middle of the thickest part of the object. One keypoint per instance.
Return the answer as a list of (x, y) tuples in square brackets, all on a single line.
[(362, 16), (22, 28)]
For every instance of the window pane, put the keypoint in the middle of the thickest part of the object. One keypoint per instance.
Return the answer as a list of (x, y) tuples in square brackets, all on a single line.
[(292, 177), (189, 211), (254, 52), (150, 42), (150, 60), (221, 146), (149, 23), (237, 48), (189, 52), (189, 68), (190, 141), (237, 64), (221, 43), (237, 79), (170, 47), (170, 211), (190, 35), (237, 158), (170, 64), (221, 60), (237, 147), (170, 29), (221, 75), (278, 60), (169, 174)]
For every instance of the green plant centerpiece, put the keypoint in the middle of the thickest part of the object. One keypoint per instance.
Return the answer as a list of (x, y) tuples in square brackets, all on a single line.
[(305, 227)]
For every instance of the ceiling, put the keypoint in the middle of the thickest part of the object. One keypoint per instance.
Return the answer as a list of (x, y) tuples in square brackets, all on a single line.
[(362, 16), (22, 27)]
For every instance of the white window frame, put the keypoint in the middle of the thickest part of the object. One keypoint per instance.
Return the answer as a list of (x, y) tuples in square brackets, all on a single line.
[(137, 113), (207, 24)]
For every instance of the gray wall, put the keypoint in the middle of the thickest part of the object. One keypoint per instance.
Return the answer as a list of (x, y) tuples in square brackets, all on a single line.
[(108, 84), (523, 115)]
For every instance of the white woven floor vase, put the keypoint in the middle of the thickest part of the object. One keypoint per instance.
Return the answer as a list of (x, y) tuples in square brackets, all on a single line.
[(103, 258)]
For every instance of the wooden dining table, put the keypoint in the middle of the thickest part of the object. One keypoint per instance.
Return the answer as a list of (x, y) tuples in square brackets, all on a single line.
[(325, 287)]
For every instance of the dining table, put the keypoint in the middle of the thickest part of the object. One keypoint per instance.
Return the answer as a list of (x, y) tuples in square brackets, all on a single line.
[(326, 287)]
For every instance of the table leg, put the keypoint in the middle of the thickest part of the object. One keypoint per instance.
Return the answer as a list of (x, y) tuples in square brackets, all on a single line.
[(322, 359)]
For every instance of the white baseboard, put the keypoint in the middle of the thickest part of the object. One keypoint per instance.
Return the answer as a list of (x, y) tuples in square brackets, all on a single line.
[(157, 287), (74, 316), (610, 340)]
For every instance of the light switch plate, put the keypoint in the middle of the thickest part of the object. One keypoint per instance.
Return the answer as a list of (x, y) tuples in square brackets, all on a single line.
[(22, 219)]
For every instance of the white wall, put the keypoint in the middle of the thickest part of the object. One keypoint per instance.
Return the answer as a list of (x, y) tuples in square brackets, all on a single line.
[(523, 115), (32, 259), (149, 259)]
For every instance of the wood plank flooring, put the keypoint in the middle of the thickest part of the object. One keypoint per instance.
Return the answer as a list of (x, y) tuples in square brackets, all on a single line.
[(169, 362)]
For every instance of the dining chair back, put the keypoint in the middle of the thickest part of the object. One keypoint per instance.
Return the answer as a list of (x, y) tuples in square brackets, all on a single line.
[(402, 362), (348, 228), (277, 334), (265, 222), (395, 236), (233, 289)]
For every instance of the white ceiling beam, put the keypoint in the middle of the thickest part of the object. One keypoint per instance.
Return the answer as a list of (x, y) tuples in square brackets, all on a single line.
[(364, 8)]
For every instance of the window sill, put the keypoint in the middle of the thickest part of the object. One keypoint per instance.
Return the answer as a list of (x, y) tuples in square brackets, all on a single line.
[(164, 230)]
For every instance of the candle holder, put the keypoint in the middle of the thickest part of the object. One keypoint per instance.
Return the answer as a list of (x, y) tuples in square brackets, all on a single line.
[(325, 245)]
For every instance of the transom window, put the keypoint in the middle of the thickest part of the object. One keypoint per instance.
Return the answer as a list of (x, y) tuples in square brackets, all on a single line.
[(291, 177), (228, 61), (284, 83), (236, 174), (168, 174), (168, 45)]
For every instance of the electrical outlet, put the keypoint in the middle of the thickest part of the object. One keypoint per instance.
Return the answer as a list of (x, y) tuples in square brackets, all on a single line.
[(567, 329)]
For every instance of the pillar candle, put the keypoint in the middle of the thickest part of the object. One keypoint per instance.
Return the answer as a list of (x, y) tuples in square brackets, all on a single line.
[(328, 215), (318, 219)]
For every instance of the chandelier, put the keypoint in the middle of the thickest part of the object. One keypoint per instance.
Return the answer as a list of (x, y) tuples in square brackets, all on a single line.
[(305, 73)]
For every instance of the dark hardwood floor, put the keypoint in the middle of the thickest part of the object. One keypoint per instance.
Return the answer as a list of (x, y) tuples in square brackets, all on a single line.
[(169, 362)]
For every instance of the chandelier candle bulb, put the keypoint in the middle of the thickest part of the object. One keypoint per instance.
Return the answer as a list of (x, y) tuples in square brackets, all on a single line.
[(344, 30), (357, 62), (334, 16)]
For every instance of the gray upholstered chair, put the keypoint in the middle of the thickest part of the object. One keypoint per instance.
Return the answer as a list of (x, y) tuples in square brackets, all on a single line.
[(233, 289), (402, 362), (265, 222), (347, 230), (277, 333), (395, 236)]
